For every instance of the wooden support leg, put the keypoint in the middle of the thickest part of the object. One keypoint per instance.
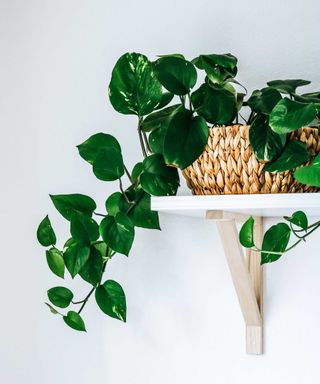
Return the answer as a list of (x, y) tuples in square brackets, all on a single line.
[(247, 279), (254, 335)]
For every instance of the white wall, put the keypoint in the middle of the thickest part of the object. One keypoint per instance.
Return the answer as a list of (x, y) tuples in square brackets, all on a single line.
[(184, 324)]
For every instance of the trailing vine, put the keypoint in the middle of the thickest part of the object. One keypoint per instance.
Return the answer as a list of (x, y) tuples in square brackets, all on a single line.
[(172, 129)]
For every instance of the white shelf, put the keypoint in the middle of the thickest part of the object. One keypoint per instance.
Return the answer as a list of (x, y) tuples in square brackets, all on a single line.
[(264, 205)]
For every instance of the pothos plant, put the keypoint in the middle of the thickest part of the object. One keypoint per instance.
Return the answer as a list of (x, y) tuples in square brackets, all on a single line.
[(172, 127)]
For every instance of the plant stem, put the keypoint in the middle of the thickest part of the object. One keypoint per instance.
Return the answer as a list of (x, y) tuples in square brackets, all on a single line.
[(250, 117), (123, 192), (146, 142), (190, 104), (183, 100), (128, 174), (291, 247), (99, 214), (144, 152), (86, 299)]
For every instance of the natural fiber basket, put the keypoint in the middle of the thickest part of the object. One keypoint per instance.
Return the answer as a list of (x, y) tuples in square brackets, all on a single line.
[(228, 165)]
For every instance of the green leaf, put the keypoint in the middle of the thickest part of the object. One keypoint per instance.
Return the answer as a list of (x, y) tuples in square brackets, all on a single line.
[(60, 296), (299, 219), (134, 88), (177, 75), (215, 103), (45, 233), (108, 165), (275, 239), (266, 144), (111, 299), (264, 100), (307, 99), (239, 100), (156, 140), (219, 68), (185, 139), (165, 100), (52, 310), (314, 95), (83, 228), (116, 203), (55, 261), (93, 268), (179, 55), (157, 178), (90, 149), (288, 86), (118, 232), (101, 247), (74, 320), (309, 175), (289, 115), (294, 154), (67, 205), (246, 233), (75, 257), (157, 119), (142, 216), (139, 211), (136, 172)]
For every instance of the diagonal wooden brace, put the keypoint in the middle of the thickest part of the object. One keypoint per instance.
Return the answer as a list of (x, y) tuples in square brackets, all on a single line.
[(247, 275)]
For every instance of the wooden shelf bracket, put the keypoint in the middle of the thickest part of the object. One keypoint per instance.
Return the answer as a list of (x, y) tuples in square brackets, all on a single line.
[(247, 274)]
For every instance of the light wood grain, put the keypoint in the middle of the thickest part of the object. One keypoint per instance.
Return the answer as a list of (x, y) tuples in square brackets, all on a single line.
[(247, 274), (254, 335), (239, 272)]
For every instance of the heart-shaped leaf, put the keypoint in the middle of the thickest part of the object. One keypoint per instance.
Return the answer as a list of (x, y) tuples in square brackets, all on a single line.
[(60, 296), (266, 144), (185, 139), (111, 300), (90, 149), (74, 320), (246, 233), (67, 205), (55, 261), (118, 232), (215, 103), (83, 228), (176, 74), (299, 219), (264, 100), (294, 154), (289, 115), (108, 165), (134, 88), (45, 233), (157, 178), (275, 239), (75, 257)]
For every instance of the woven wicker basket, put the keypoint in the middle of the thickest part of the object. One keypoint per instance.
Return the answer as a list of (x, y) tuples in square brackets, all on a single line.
[(228, 165)]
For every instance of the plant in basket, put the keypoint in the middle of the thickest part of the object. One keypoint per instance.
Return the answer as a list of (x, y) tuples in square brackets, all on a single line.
[(271, 151)]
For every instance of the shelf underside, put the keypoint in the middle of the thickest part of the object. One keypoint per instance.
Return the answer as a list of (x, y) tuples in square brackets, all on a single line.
[(265, 205)]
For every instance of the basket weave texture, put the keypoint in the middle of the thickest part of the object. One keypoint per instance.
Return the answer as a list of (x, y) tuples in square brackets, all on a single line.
[(228, 165)]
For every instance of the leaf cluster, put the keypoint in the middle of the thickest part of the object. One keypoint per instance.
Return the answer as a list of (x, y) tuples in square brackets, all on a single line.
[(173, 112)]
